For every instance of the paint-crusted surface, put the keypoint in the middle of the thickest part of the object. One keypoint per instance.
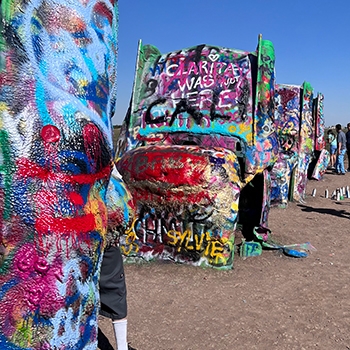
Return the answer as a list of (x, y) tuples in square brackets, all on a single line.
[(188, 204), (58, 61), (287, 121), (321, 154), (320, 125), (199, 128), (300, 122), (306, 144), (321, 165)]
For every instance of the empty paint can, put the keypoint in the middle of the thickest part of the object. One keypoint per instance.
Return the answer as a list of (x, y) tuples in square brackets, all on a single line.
[(338, 194)]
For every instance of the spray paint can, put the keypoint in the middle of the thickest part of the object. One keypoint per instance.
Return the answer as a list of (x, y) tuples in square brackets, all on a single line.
[(326, 194), (338, 194), (314, 192)]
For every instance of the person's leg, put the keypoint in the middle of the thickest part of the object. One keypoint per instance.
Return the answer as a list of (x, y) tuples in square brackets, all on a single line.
[(331, 158), (333, 151), (113, 294), (334, 158), (341, 161), (120, 332), (337, 166)]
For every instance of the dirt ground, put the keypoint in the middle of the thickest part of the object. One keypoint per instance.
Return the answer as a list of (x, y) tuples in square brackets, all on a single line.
[(267, 302)]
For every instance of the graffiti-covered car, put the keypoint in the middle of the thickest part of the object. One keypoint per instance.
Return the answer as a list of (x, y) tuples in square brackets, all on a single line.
[(321, 159), (57, 96), (306, 144), (199, 129), (299, 121), (287, 120)]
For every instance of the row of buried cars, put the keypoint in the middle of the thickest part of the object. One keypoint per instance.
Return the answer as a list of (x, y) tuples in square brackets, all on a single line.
[(209, 143)]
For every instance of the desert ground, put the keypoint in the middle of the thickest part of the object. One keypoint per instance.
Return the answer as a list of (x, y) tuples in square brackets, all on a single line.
[(267, 302)]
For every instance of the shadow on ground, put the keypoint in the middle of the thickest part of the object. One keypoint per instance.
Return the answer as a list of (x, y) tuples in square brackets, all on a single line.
[(339, 213), (103, 342)]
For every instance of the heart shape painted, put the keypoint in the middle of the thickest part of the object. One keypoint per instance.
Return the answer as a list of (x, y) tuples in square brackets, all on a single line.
[(214, 57)]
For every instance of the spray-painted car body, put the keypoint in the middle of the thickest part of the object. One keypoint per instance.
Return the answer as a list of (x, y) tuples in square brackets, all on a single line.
[(320, 125), (321, 156), (57, 98), (306, 144), (287, 120), (300, 125), (199, 128)]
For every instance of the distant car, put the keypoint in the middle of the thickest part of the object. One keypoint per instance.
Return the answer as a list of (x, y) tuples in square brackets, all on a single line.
[(287, 120), (299, 120), (321, 159), (200, 127)]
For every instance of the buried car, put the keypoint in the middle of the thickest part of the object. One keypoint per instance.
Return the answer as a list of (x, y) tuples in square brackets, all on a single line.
[(199, 129)]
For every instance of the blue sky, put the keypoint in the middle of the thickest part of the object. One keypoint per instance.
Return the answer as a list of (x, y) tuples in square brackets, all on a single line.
[(311, 40)]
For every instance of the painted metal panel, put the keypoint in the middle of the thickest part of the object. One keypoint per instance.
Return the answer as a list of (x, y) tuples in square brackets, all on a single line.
[(199, 128), (57, 97)]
